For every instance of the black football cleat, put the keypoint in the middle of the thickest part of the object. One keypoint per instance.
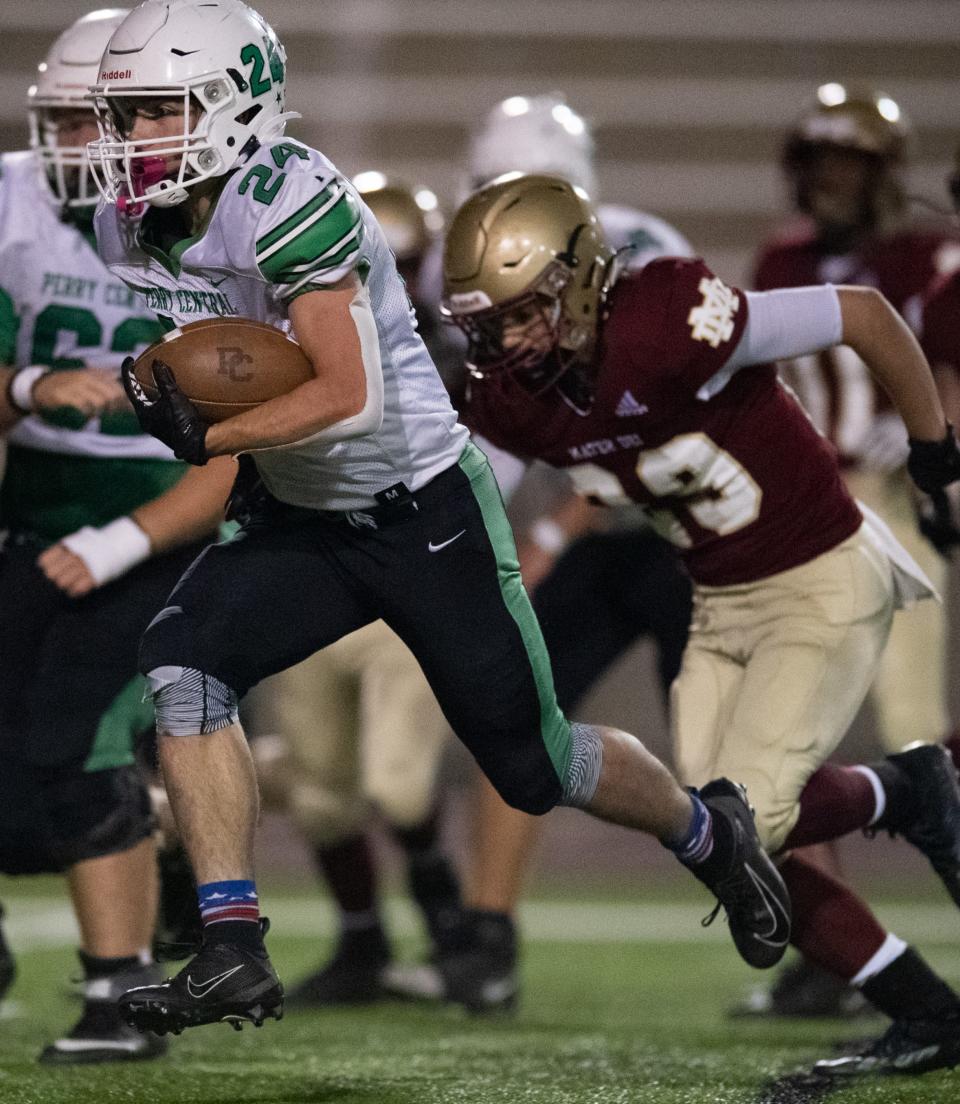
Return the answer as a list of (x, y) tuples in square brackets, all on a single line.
[(477, 970), (101, 1035), (907, 1046), (224, 983), (931, 820), (352, 976), (803, 990), (481, 974), (744, 880)]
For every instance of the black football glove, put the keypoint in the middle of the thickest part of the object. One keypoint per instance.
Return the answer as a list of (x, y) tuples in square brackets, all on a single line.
[(934, 464), (938, 518), (171, 417)]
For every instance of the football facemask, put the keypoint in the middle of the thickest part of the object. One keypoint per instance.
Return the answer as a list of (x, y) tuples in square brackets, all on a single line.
[(58, 107), (517, 342), (214, 70)]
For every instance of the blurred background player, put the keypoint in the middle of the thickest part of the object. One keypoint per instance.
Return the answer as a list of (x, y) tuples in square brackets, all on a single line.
[(599, 579), (844, 160), (355, 730), (100, 521)]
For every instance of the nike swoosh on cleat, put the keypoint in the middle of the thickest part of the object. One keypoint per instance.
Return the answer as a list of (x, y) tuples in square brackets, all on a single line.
[(431, 547), (773, 907), (201, 990)]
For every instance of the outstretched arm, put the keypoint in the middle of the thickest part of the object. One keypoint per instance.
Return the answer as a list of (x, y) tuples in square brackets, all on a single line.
[(877, 333)]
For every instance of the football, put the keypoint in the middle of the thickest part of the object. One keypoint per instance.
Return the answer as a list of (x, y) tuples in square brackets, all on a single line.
[(226, 365)]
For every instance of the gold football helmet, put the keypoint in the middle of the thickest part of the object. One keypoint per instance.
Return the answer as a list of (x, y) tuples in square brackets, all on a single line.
[(525, 273), (409, 217), (864, 122)]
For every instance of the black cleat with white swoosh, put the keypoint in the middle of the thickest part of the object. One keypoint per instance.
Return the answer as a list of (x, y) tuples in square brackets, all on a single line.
[(907, 1046), (744, 880), (223, 983)]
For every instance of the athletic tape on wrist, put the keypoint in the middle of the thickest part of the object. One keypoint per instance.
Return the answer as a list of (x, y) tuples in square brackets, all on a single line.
[(20, 387), (111, 551)]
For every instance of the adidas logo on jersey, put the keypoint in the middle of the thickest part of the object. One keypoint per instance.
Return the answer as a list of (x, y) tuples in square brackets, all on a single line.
[(628, 407)]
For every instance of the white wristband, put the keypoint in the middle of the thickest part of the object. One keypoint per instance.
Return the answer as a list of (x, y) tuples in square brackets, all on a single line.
[(111, 551), (547, 535), (21, 386)]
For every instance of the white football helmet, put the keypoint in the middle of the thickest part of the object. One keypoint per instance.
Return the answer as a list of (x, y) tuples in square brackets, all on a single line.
[(228, 67), (533, 134), (63, 80)]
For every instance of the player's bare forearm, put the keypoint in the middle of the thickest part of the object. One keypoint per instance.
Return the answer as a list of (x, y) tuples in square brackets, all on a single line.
[(191, 509), (295, 416), (327, 333), (877, 333)]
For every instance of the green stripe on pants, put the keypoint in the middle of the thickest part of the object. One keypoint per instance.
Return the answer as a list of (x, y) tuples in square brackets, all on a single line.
[(554, 727)]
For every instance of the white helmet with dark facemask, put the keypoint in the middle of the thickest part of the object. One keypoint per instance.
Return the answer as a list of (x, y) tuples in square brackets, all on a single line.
[(63, 83), (221, 61)]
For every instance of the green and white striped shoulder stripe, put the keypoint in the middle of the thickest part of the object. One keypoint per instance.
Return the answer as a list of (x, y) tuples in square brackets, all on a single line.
[(318, 237)]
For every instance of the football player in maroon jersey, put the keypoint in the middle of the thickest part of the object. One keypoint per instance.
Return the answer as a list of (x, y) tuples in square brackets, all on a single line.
[(658, 387), (843, 160)]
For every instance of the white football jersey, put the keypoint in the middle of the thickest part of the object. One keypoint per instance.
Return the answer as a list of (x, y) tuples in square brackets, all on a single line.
[(285, 223), (59, 306)]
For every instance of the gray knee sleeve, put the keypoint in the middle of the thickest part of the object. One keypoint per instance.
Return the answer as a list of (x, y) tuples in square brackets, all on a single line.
[(583, 773), (188, 702)]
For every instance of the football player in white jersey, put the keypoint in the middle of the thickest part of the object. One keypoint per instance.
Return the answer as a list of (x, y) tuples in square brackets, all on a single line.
[(355, 730), (100, 520), (376, 504)]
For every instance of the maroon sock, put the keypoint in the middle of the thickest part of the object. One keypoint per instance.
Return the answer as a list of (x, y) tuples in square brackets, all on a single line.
[(952, 744), (831, 926), (835, 801), (349, 873)]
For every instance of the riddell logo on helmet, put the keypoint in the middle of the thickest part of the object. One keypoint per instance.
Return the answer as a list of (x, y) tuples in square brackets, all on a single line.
[(116, 74)]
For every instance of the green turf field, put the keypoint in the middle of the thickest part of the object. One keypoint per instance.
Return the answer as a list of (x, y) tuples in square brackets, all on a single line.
[(622, 1002)]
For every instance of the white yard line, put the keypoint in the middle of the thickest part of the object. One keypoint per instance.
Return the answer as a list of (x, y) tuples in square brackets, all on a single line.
[(31, 923)]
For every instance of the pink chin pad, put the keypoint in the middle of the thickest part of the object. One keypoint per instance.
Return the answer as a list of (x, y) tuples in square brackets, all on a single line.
[(144, 173)]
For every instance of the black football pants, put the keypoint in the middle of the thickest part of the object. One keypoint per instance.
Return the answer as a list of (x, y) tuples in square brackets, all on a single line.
[(443, 574)]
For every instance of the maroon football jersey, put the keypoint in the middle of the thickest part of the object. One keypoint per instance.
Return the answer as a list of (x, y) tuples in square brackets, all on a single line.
[(940, 335), (835, 386), (742, 484)]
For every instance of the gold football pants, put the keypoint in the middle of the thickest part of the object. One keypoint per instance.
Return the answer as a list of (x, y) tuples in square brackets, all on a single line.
[(775, 672), (363, 732), (909, 693)]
